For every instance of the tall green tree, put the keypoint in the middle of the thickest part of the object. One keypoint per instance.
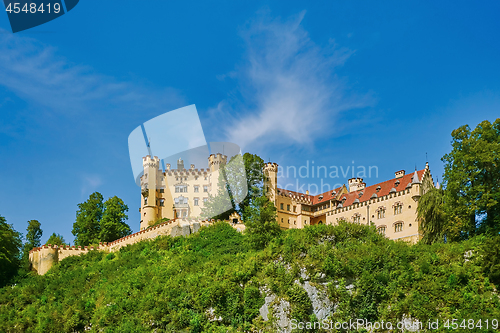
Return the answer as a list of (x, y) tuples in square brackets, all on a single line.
[(239, 183), (112, 225), (472, 179), (432, 216), (56, 239), (254, 166), (88, 218), (261, 224), (10, 251), (33, 235)]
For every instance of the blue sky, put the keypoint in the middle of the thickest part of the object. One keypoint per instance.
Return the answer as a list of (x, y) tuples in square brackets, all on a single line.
[(380, 84)]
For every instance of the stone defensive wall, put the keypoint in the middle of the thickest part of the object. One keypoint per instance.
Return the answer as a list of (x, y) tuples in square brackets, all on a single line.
[(44, 257)]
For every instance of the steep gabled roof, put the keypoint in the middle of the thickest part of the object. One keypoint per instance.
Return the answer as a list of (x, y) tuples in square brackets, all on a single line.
[(384, 188), (369, 192)]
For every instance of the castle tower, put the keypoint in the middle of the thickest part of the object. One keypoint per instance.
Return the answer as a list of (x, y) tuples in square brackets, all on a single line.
[(149, 184), (416, 188), (356, 184), (271, 180), (216, 161)]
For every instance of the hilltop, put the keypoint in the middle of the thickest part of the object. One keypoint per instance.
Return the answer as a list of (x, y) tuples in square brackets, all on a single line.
[(212, 281)]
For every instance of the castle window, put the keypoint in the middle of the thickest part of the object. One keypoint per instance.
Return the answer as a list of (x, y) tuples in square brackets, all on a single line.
[(281, 220), (196, 189), (196, 178), (294, 209), (381, 213), (205, 188), (196, 201), (206, 178), (398, 209), (281, 206), (398, 227), (145, 200), (381, 230), (205, 200), (185, 178), (181, 189), (162, 202), (288, 221), (288, 207), (356, 218)]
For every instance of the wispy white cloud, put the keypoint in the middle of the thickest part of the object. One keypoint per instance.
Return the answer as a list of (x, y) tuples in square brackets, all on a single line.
[(287, 87), (38, 74), (90, 183)]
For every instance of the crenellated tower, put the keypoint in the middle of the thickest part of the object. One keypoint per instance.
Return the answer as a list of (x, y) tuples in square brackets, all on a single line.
[(215, 163), (271, 180), (149, 184)]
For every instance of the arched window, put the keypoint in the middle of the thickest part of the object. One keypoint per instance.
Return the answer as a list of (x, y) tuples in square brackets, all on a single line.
[(381, 229), (398, 226), (381, 212)]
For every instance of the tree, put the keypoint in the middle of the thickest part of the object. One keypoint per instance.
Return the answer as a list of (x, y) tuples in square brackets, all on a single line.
[(261, 225), (56, 239), (88, 217), (33, 236), (254, 166), (239, 183), (10, 250), (472, 179), (100, 222), (431, 214), (113, 224)]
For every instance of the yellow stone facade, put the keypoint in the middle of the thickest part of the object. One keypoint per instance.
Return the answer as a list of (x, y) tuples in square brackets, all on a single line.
[(390, 205), (176, 193)]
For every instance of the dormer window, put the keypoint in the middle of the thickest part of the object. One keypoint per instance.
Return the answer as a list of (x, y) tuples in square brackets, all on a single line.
[(360, 194), (320, 197), (378, 188), (396, 183)]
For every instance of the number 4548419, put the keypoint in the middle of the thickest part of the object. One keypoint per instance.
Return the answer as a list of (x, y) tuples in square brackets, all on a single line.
[(33, 8)]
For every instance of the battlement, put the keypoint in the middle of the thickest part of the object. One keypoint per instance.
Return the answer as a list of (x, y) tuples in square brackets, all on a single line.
[(217, 159), (271, 166), (44, 257), (154, 162)]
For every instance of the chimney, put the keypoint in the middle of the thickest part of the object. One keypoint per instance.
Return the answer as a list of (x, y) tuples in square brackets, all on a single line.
[(399, 174)]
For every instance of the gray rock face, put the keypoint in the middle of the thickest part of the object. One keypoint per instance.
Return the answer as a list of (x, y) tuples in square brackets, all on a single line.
[(322, 306), (264, 310), (280, 311)]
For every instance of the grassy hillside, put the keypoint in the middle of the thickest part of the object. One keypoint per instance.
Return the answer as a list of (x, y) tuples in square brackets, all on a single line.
[(213, 282)]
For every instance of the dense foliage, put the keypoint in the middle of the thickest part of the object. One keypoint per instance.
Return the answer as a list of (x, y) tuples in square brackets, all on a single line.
[(10, 251), (56, 239), (472, 180), (213, 281), (100, 222)]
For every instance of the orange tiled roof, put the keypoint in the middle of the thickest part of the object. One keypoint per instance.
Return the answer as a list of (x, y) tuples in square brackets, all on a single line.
[(367, 192), (385, 188)]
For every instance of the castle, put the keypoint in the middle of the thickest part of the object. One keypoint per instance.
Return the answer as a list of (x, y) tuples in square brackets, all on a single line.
[(179, 195), (176, 193), (390, 205)]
